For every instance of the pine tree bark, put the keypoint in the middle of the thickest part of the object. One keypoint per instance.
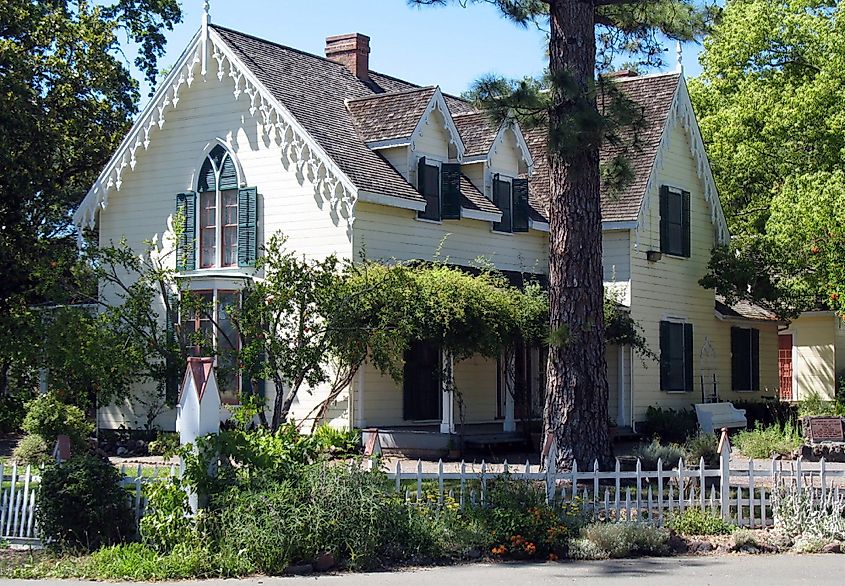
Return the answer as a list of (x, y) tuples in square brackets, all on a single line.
[(576, 396)]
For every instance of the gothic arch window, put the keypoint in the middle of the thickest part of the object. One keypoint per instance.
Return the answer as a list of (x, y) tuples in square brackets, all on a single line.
[(219, 227), (218, 210)]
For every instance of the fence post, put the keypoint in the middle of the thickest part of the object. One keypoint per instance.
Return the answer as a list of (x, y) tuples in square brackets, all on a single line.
[(725, 474), (198, 410)]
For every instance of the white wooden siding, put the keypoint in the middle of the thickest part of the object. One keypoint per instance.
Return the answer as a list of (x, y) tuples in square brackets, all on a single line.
[(393, 234), (398, 157), (143, 207), (814, 355), (669, 289)]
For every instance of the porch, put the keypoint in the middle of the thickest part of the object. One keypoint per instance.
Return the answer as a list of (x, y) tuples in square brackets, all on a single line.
[(487, 406)]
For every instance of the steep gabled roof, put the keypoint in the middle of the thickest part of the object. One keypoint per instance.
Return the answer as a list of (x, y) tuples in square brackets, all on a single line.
[(315, 90), (389, 116), (477, 132), (655, 94)]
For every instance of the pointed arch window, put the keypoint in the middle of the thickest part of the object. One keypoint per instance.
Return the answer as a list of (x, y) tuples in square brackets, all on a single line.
[(219, 221), (218, 210)]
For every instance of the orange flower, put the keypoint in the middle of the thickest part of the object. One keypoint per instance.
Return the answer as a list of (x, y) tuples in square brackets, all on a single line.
[(553, 557), (815, 250)]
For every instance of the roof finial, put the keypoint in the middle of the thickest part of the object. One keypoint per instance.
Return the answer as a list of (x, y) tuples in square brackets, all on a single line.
[(679, 50), (204, 37)]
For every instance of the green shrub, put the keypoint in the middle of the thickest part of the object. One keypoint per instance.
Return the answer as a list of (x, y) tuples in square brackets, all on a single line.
[(619, 540), (694, 521), (165, 444), (166, 521), (765, 442), (32, 450), (651, 453), (81, 505), (744, 538), (584, 549), (338, 442), (518, 522), (668, 424), (345, 511), (48, 417), (12, 412), (768, 412), (704, 445), (814, 405)]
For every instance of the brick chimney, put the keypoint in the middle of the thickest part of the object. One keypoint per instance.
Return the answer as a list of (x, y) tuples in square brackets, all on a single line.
[(353, 51)]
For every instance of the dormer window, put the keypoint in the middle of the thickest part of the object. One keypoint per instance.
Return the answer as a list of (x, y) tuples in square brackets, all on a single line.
[(219, 219), (511, 197), (440, 185)]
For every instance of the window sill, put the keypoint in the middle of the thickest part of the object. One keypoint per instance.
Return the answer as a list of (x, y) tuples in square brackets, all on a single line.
[(501, 232), (230, 272), (677, 256), (428, 221)]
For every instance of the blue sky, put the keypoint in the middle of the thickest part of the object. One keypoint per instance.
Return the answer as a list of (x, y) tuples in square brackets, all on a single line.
[(446, 46)]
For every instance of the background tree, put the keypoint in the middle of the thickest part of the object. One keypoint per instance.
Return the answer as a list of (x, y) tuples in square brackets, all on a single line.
[(577, 393), (770, 102), (66, 100)]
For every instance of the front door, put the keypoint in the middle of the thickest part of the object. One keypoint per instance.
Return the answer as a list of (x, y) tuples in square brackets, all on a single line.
[(785, 366), (423, 394)]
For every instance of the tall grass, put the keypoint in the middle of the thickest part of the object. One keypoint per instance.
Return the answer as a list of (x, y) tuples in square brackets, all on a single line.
[(765, 442)]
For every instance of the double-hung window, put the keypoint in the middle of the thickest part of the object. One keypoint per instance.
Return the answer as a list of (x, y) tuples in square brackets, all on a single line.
[(208, 329), (676, 356), (218, 221), (674, 221), (745, 359), (511, 197)]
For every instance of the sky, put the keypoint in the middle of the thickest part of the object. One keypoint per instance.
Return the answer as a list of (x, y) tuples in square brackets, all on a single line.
[(446, 46)]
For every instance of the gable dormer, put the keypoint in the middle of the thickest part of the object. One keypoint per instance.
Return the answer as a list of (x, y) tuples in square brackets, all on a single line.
[(497, 161)]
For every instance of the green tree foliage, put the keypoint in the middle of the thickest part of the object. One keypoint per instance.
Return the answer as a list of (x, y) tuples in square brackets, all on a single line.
[(770, 103), (66, 100), (581, 113)]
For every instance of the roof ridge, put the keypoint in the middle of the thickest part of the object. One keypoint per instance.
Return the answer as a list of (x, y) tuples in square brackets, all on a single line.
[(394, 93), (646, 76)]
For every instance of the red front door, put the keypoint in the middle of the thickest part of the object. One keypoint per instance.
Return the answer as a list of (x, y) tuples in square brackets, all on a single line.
[(785, 366)]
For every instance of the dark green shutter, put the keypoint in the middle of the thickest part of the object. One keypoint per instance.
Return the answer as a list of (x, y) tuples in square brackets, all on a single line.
[(186, 204), (664, 213), (247, 227), (520, 205), (421, 175), (450, 190), (664, 355), (685, 228), (738, 365), (228, 175), (250, 390), (755, 360), (688, 358)]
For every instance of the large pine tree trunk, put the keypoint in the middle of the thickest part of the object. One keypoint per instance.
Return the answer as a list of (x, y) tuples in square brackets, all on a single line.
[(576, 396)]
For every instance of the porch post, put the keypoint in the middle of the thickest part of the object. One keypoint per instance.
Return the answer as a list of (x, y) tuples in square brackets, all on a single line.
[(509, 375), (447, 383), (620, 385), (359, 422)]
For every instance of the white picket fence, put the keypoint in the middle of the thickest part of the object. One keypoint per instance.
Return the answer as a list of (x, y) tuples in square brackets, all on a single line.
[(742, 497), (19, 495), (17, 502)]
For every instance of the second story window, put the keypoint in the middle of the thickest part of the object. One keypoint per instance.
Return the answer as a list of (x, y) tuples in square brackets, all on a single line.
[(218, 189), (511, 197), (219, 222), (440, 186), (674, 221)]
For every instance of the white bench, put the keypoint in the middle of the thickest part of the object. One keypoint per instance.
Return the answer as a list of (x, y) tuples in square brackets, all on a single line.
[(715, 416)]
